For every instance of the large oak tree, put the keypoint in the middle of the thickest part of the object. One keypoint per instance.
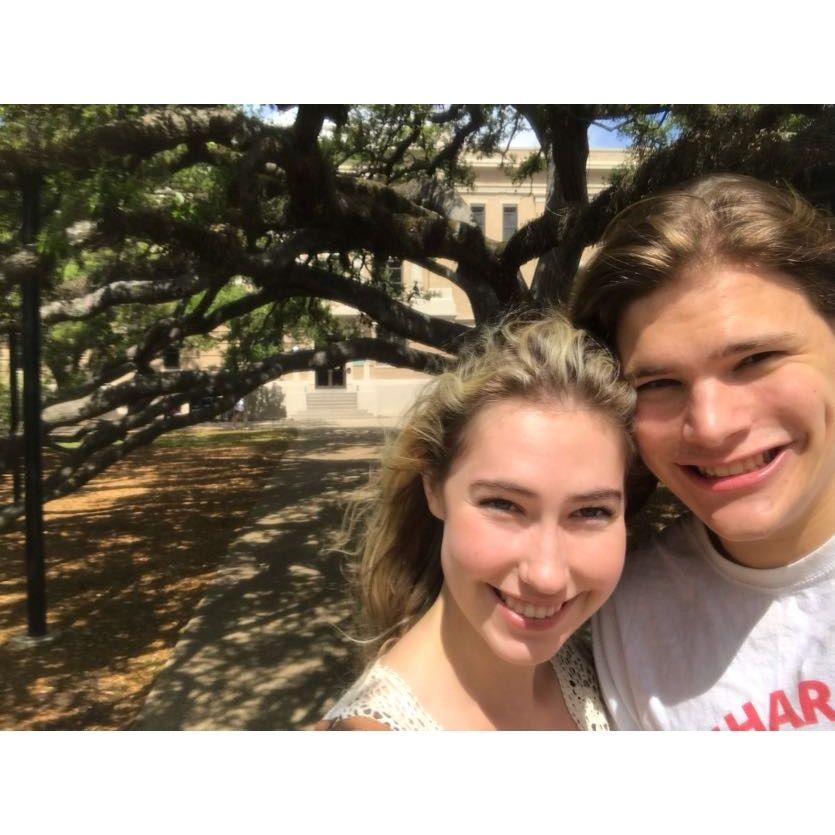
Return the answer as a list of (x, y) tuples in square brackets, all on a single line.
[(160, 225)]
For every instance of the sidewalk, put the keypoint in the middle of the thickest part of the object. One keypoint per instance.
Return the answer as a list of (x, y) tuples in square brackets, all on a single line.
[(263, 649)]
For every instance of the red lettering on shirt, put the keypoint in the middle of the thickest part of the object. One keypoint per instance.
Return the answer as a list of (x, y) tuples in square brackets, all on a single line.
[(780, 712), (814, 696), (753, 723)]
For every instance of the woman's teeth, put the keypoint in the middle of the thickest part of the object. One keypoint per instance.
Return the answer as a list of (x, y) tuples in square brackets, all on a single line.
[(747, 465), (526, 609)]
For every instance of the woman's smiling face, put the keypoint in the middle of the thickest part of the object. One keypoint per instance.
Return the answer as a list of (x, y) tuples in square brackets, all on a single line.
[(534, 534)]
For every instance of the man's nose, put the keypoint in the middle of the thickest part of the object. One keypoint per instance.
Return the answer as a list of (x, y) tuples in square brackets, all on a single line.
[(716, 414), (545, 568)]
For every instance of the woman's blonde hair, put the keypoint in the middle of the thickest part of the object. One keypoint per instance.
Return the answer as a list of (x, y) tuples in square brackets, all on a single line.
[(540, 359)]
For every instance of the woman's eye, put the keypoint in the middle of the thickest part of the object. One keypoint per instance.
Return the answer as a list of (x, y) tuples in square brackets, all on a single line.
[(594, 513), (503, 505)]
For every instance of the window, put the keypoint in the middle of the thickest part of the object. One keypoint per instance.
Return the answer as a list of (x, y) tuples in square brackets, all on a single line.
[(478, 216), (394, 273), (510, 222)]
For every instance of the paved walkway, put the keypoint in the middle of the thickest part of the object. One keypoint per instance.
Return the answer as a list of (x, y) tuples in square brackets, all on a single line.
[(264, 648)]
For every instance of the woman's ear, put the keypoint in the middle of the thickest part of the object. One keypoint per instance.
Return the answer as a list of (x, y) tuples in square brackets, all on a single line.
[(434, 497)]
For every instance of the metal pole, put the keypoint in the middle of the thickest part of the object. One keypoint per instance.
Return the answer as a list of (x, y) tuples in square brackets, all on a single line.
[(14, 415), (35, 573)]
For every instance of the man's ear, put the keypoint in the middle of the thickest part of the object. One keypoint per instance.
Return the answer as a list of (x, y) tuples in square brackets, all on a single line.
[(434, 497)]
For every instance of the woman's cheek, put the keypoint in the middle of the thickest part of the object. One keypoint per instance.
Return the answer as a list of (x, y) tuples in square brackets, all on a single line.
[(475, 546)]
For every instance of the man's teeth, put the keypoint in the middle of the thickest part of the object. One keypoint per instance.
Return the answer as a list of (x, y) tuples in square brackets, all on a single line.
[(526, 610), (747, 465)]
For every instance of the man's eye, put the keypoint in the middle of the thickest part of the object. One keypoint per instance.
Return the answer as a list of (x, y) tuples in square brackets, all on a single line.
[(756, 359), (504, 505), (594, 513), (656, 385)]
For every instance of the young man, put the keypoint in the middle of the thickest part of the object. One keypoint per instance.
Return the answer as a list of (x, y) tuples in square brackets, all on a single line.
[(719, 300)]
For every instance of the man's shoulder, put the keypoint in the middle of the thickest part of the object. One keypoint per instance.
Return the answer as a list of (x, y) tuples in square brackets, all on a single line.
[(662, 593)]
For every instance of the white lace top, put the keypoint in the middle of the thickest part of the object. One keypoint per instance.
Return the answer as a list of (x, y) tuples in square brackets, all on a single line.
[(382, 695)]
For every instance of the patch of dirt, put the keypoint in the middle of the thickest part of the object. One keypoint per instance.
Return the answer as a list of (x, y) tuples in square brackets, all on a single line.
[(128, 557)]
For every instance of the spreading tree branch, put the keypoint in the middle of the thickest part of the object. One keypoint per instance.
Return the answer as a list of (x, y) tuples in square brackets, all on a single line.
[(99, 449)]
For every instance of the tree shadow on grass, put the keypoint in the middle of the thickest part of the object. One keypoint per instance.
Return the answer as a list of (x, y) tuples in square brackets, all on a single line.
[(128, 557)]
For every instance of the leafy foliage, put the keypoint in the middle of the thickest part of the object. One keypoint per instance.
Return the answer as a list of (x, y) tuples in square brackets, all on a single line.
[(279, 327)]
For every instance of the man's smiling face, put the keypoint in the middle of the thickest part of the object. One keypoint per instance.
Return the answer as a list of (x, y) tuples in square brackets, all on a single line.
[(735, 373)]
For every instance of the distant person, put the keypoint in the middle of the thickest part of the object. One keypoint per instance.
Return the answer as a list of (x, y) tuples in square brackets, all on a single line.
[(239, 411), (492, 532), (719, 299)]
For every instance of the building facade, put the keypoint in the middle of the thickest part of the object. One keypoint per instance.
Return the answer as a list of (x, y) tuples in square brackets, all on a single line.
[(368, 388)]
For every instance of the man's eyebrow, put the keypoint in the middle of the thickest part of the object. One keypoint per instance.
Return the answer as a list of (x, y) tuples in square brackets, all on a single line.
[(765, 342), (603, 494), (647, 371)]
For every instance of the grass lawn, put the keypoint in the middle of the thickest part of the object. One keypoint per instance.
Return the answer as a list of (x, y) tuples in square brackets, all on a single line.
[(128, 557)]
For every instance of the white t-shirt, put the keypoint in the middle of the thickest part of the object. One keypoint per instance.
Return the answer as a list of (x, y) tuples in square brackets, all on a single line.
[(693, 641)]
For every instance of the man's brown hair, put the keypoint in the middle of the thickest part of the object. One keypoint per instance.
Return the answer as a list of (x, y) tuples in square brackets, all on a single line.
[(719, 219)]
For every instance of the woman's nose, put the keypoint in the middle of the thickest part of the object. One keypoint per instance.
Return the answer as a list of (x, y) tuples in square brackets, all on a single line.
[(544, 569)]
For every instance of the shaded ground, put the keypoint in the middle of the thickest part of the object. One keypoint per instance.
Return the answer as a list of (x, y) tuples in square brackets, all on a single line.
[(128, 558), (267, 646)]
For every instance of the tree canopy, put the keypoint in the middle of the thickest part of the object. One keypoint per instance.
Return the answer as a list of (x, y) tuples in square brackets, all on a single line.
[(160, 225)]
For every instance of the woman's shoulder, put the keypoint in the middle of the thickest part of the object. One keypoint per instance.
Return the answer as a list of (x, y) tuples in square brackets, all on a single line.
[(379, 700), (575, 671)]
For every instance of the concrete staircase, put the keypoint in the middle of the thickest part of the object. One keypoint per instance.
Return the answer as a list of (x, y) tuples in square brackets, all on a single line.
[(331, 404)]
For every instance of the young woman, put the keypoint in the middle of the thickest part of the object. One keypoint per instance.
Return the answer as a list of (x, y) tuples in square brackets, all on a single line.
[(492, 532)]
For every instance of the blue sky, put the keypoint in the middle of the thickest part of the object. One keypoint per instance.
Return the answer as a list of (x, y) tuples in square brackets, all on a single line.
[(598, 138), (602, 138)]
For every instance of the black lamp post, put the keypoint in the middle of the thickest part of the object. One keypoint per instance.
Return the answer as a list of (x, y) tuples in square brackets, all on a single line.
[(14, 413), (32, 430)]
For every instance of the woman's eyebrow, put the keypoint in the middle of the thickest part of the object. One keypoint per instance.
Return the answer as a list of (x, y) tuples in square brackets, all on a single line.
[(601, 494), (502, 485)]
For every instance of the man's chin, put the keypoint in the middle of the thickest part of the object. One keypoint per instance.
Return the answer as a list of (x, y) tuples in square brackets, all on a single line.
[(734, 530), (758, 542)]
